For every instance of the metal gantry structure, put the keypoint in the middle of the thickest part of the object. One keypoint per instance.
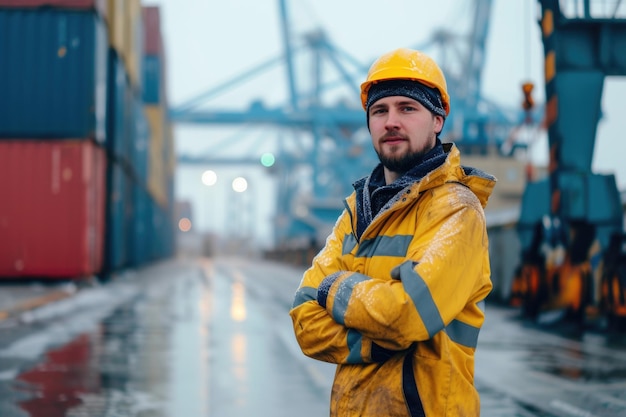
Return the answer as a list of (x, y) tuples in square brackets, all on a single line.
[(335, 147), (571, 222)]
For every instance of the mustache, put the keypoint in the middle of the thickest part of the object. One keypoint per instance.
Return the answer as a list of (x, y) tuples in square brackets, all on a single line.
[(393, 134)]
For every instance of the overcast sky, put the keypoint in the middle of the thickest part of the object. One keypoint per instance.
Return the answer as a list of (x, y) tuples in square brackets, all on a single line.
[(209, 42)]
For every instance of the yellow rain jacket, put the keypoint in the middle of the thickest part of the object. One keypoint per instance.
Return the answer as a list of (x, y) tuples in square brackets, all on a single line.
[(399, 310)]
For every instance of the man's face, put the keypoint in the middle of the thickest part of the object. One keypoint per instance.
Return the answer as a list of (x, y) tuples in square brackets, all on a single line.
[(402, 132)]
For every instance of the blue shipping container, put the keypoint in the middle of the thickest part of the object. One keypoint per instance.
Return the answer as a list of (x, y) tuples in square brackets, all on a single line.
[(155, 220), (53, 74), (119, 110), (117, 210), (162, 236), (139, 143), (152, 82), (139, 237)]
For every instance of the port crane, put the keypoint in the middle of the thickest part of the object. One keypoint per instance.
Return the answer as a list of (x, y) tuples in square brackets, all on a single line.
[(571, 222), (330, 131)]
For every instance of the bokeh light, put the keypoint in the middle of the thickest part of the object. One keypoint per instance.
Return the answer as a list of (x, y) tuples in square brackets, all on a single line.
[(240, 184)]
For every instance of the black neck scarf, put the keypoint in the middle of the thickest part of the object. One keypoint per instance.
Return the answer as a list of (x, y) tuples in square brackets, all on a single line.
[(373, 195)]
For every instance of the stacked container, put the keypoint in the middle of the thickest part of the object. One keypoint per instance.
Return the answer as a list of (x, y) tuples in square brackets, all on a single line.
[(124, 93), (75, 137), (160, 148), (53, 80)]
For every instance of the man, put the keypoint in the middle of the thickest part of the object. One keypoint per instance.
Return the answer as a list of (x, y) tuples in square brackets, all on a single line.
[(396, 296)]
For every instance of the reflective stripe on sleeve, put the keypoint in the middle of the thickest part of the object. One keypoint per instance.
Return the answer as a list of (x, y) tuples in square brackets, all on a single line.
[(355, 341), (342, 297), (463, 333), (303, 295), (417, 289)]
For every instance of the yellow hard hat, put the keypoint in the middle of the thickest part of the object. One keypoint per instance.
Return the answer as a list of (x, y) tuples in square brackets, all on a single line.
[(407, 64)]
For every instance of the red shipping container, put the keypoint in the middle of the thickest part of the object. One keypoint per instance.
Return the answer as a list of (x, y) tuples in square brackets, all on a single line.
[(153, 40), (99, 5), (52, 197)]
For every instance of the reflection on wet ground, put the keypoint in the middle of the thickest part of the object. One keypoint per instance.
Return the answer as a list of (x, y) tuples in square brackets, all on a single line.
[(588, 356), (563, 370), (168, 351), (141, 360), (578, 364), (495, 404), (105, 372), (59, 383), (220, 343)]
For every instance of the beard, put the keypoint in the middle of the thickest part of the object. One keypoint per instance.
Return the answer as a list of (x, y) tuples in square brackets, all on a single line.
[(401, 164)]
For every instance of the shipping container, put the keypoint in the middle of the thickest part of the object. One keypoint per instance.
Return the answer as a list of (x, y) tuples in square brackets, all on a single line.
[(86, 168), (153, 39), (153, 83), (119, 111), (98, 5), (139, 230), (139, 143), (53, 208), (170, 150), (161, 231), (157, 176), (154, 71), (53, 75), (133, 52), (118, 35), (118, 211)]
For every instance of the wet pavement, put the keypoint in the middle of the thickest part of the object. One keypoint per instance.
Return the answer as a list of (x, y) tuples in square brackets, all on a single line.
[(17, 298), (561, 370), (213, 338)]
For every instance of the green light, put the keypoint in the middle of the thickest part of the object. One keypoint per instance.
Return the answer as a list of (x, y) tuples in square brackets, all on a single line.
[(267, 159)]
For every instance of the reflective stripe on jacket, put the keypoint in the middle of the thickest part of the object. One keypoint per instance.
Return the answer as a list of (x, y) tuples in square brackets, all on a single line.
[(413, 287)]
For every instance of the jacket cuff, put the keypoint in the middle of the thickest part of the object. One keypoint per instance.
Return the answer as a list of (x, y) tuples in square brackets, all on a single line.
[(324, 287)]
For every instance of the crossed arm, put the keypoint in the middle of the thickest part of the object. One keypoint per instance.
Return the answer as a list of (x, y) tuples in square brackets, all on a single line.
[(345, 316)]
